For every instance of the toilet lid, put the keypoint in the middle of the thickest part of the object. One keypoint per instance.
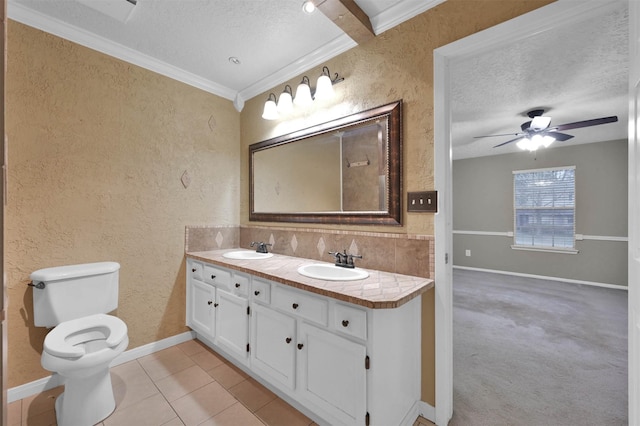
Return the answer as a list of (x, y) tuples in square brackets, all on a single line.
[(63, 341)]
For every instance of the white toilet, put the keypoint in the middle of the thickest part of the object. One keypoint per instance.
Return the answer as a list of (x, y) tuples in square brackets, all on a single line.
[(74, 299)]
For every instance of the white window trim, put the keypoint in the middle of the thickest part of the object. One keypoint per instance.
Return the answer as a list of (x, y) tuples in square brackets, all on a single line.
[(546, 249), (563, 250)]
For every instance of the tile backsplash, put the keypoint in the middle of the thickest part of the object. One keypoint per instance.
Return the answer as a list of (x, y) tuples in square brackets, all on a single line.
[(398, 253)]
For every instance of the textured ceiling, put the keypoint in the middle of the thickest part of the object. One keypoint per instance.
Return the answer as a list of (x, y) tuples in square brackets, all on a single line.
[(575, 72), (192, 40)]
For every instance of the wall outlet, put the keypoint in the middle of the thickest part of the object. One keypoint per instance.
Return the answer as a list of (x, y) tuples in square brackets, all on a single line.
[(425, 201), (467, 253)]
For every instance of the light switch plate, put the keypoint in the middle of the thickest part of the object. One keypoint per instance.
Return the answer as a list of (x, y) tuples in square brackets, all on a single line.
[(424, 201)]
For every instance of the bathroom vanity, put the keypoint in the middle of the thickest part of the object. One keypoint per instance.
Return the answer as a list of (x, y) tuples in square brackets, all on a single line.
[(343, 352)]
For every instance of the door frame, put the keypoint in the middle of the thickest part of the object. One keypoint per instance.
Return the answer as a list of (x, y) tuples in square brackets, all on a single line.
[(515, 30)]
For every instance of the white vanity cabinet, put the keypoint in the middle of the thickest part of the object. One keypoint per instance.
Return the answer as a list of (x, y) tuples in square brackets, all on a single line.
[(200, 313), (340, 363), (332, 374), (232, 324), (200, 300), (273, 342), (218, 307)]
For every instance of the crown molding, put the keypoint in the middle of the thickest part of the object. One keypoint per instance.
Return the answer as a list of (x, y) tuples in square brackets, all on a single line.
[(401, 12), (24, 15), (382, 22), (330, 50)]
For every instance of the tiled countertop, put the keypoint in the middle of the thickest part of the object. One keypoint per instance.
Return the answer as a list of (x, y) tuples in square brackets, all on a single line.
[(379, 291)]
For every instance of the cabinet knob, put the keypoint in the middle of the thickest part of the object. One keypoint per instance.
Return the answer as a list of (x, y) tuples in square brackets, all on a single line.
[(294, 306), (237, 285), (300, 346), (345, 323), (209, 302), (215, 305), (193, 269), (257, 292), (213, 277), (288, 340)]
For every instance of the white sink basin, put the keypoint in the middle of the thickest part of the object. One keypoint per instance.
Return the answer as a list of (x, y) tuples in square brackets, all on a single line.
[(323, 271), (246, 255)]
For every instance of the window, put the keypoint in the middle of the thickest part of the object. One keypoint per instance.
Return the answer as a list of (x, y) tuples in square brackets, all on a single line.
[(544, 208)]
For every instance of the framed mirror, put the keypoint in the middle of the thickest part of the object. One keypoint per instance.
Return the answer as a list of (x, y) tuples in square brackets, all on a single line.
[(344, 171)]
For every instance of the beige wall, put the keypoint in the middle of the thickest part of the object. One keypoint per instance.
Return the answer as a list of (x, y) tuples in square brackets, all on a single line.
[(97, 148), (397, 64), (96, 151)]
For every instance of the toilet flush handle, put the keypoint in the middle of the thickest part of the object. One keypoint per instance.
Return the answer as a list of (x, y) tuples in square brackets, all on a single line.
[(39, 285)]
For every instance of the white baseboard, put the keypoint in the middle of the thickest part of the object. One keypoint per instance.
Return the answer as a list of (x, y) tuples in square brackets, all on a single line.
[(420, 408), (543, 277), (50, 382)]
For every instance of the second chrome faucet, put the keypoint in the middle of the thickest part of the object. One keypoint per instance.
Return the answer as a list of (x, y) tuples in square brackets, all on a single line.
[(344, 259)]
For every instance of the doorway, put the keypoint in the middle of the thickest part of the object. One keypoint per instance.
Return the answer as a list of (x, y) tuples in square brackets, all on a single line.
[(516, 30)]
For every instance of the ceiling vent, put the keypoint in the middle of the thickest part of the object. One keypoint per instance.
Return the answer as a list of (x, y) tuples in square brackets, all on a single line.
[(117, 9)]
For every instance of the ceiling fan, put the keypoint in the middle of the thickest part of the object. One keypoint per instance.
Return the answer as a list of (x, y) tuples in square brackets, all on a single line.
[(538, 131)]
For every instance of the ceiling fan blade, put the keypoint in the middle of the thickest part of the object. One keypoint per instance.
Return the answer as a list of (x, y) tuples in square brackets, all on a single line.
[(540, 123), (586, 123), (560, 137), (509, 141), (504, 134)]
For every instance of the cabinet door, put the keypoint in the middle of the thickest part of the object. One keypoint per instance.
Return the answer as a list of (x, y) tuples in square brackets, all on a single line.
[(332, 374), (200, 313), (232, 324), (273, 345)]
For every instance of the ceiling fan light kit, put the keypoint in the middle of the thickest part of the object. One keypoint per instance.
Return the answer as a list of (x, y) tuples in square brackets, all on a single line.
[(535, 142), (539, 133)]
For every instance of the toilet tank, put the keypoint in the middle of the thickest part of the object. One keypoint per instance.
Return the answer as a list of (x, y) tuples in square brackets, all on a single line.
[(74, 291)]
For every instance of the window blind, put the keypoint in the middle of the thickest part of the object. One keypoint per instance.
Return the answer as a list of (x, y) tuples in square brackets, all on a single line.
[(544, 207)]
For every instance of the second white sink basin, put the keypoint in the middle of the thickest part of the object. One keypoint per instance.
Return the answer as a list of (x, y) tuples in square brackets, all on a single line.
[(323, 271), (246, 255)]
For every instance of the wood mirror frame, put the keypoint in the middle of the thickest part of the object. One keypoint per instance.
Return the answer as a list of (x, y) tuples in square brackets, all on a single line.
[(392, 216)]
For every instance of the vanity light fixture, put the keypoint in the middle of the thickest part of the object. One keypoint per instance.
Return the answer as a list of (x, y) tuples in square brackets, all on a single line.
[(303, 93), (285, 102), (270, 111)]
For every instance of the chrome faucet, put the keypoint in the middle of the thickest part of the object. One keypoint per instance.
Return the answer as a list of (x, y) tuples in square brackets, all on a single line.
[(261, 247), (344, 259)]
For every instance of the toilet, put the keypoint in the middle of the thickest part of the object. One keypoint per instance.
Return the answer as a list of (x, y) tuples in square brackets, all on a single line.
[(75, 300)]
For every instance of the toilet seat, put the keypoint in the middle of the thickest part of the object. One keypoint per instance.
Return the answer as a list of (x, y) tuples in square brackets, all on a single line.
[(63, 341)]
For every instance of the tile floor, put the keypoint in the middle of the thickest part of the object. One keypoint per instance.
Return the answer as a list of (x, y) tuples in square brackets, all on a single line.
[(186, 384)]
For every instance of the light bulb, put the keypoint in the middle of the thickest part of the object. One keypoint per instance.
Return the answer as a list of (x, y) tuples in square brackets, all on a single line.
[(308, 7), (285, 103), (324, 88), (270, 111), (303, 94)]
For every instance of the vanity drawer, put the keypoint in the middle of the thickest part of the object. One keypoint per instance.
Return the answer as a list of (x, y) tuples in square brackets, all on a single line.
[(217, 276), (300, 304), (350, 320), (261, 291), (195, 270), (240, 284)]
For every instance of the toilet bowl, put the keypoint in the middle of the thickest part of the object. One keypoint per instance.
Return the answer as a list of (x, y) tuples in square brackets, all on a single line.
[(80, 351)]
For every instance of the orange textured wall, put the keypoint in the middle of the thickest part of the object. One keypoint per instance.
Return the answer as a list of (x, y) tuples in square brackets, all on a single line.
[(96, 151)]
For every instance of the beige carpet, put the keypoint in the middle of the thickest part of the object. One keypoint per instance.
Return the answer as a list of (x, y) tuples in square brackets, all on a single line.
[(537, 352)]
